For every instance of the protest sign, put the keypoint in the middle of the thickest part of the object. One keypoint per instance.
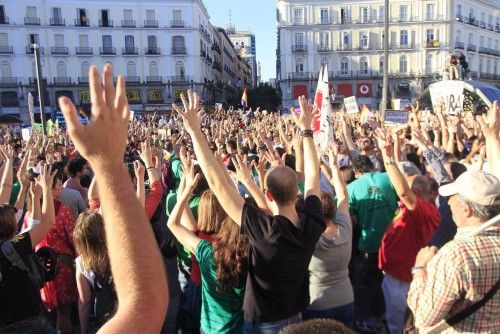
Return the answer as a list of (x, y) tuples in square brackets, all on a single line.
[(351, 105), (396, 104), (396, 117), (451, 93), (26, 134)]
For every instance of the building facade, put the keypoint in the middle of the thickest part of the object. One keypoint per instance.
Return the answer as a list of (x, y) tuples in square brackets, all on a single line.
[(244, 43), (162, 47), (348, 36)]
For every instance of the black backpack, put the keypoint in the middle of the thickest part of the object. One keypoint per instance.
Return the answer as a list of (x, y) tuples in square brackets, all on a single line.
[(106, 300)]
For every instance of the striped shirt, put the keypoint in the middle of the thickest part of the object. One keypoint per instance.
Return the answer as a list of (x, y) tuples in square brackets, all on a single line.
[(460, 274)]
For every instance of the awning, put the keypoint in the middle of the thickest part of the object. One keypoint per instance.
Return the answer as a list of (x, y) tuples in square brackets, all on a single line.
[(299, 90), (344, 89)]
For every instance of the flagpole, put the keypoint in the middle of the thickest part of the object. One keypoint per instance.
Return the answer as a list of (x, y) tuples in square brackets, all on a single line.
[(385, 80), (41, 95)]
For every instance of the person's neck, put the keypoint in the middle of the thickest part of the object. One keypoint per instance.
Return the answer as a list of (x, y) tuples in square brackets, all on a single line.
[(76, 178), (289, 212)]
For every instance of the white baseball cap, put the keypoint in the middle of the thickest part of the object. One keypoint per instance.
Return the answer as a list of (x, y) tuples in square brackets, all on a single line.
[(476, 186)]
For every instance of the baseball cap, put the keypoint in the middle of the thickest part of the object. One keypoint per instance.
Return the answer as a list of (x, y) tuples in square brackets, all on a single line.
[(476, 186)]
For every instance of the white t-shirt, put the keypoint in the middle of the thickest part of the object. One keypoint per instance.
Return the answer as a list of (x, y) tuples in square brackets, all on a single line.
[(89, 275)]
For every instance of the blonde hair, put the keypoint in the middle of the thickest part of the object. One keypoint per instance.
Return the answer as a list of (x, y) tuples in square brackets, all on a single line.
[(90, 242), (210, 213)]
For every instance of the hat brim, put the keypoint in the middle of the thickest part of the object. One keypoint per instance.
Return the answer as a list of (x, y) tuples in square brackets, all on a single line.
[(448, 190)]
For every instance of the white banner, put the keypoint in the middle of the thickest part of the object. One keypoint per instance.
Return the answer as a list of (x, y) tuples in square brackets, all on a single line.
[(322, 123), (451, 92), (351, 105)]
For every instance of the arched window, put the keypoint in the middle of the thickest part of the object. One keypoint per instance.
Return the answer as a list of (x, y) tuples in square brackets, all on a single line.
[(344, 65), (179, 69), (6, 70), (428, 64), (153, 69), (299, 65), (363, 65), (131, 70), (84, 68), (61, 69), (403, 64)]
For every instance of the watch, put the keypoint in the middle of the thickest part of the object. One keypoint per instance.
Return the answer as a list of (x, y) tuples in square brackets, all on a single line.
[(306, 133), (417, 268)]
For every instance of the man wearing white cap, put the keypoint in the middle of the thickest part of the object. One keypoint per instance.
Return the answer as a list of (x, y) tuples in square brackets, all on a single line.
[(466, 268)]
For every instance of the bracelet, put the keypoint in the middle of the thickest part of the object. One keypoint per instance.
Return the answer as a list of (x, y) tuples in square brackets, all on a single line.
[(150, 168), (307, 133), (417, 268)]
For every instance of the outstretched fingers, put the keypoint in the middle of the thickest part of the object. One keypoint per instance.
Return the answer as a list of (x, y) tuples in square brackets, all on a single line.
[(73, 125)]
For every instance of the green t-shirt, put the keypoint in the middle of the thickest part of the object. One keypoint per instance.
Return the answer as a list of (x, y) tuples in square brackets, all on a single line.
[(221, 312), (373, 201), (16, 188)]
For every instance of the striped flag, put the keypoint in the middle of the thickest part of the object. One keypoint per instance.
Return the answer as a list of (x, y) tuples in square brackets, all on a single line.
[(31, 108), (244, 99)]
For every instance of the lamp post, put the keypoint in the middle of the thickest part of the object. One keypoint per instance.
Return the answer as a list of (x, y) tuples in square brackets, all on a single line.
[(41, 95)]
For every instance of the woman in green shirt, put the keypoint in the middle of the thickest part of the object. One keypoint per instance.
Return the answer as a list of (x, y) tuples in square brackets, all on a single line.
[(223, 264)]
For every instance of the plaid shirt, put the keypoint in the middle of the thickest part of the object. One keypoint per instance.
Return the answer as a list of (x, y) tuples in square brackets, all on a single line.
[(460, 274)]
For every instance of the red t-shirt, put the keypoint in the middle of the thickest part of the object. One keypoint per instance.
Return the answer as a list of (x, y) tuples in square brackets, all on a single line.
[(409, 232), (195, 267)]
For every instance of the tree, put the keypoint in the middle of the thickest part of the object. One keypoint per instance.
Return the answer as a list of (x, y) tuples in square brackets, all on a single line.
[(264, 96)]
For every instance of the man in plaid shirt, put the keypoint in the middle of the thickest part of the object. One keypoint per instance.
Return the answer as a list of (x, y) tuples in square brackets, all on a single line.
[(466, 268)]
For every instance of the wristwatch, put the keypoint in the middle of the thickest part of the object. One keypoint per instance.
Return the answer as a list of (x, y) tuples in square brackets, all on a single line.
[(417, 268), (391, 162), (306, 133)]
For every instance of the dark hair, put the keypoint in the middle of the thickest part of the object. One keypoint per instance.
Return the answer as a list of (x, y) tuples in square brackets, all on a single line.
[(317, 326), (328, 205), (457, 169), (362, 164), (232, 144), (75, 165), (8, 224), (290, 161), (281, 181), (202, 182)]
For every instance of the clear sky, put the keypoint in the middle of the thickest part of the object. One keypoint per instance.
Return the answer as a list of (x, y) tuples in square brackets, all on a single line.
[(257, 16)]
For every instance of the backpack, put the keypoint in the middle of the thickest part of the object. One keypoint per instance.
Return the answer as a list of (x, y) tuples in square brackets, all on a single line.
[(106, 300)]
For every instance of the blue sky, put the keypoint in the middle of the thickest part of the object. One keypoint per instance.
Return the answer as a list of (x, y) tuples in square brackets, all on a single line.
[(258, 16)]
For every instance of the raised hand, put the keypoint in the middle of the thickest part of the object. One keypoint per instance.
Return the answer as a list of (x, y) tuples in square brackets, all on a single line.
[(139, 170), (146, 153), (333, 154), (191, 114), (103, 140), (185, 159), (419, 137), (303, 120), (243, 173), (189, 180), (46, 178), (384, 141), (274, 158), (490, 124)]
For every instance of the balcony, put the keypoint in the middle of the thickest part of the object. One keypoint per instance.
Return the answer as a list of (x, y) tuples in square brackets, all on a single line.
[(62, 81), (325, 48), (57, 21), (410, 46), (484, 75), (299, 48), (105, 23), (30, 50), (150, 23), (460, 18), (128, 23), (365, 73), (344, 20), (6, 49), (4, 20), (83, 50), (82, 22), (179, 50), (482, 50), (177, 24), (33, 80), (133, 79), (459, 45), (59, 50), (300, 75), (344, 47), (32, 21), (130, 50), (8, 81), (108, 50), (364, 47), (154, 79), (326, 21), (472, 21), (491, 27), (482, 24), (152, 50), (83, 80), (181, 78), (434, 44), (299, 22), (471, 47), (345, 74)]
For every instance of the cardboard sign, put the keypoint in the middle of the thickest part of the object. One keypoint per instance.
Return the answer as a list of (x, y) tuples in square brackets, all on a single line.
[(351, 105), (26, 133), (451, 92), (396, 117), (396, 105)]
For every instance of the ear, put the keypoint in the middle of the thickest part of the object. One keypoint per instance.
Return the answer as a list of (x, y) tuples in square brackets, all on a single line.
[(467, 211), (269, 195)]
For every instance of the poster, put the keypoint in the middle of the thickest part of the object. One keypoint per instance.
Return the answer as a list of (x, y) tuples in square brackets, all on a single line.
[(451, 92), (396, 117), (351, 105)]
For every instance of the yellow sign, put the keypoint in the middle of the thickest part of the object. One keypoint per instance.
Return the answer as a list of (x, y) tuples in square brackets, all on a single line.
[(134, 96), (155, 95), (179, 92), (85, 96)]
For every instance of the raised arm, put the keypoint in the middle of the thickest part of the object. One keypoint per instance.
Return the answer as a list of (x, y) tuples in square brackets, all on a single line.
[(22, 175), (8, 173), (39, 231), (406, 195), (490, 126), (338, 182), (140, 188), (223, 188), (245, 177), (311, 163), (136, 263)]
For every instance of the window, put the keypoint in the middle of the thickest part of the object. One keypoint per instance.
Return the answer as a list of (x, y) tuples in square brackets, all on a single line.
[(381, 13), (61, 69), (177, 18), (403, 12), (31, 11), (4, 39), (363, 39), (59, 40), (152, 42), (429, 35), (84, 68), (344, 15), (324, 40), (56, 13), (490, 19), (131, 69), (299, 39), (430, 11), (6, 69), (470, 39), (33, 39), (83, 41), (346, 38), (129, 42), (153, 69), (364, 15), (2, 14), (459, 10), (150, 14), (403, 38), (107, 42), (179, 69), (178, 42), (381, 64), (363, 65), (105, 17), (299, 65), (298, 17), (127, 15), (471, 14), (82, 16), (324, 16), (428, 64), (403, 64), (344, 65)]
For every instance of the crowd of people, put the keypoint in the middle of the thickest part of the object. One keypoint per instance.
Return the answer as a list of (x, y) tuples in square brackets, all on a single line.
[(388, 229)]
